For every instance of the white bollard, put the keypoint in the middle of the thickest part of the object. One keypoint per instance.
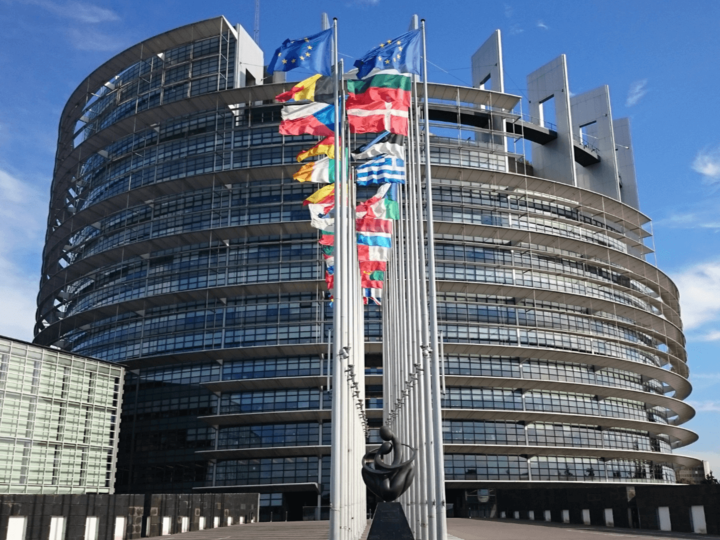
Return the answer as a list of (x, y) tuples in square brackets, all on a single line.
[(697, 518), (609, 520)]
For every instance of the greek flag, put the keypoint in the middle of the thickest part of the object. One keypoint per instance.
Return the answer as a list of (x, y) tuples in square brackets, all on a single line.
[(381, 170)]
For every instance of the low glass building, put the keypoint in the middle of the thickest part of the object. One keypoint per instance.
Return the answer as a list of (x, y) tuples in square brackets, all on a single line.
[(59, 420), (178, 247)]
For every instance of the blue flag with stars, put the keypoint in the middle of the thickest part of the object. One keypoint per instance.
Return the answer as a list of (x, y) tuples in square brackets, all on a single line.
[(311, 52), (402, 53)]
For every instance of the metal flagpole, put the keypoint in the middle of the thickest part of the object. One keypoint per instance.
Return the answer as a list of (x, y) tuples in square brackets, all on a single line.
[(338, 382), (437, 402), (427, 398)]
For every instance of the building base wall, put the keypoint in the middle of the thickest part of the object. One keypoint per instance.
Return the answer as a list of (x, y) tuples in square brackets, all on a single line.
[(144, 514), (632, 506)]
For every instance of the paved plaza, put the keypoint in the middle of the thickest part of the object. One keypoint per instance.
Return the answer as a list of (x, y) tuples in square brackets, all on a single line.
[(458, 529)]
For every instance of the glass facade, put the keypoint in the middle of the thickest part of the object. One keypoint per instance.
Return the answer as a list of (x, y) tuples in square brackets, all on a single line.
[(180, 248), (58, 421)]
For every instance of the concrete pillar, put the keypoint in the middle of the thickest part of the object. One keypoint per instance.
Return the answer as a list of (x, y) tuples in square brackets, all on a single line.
[(591, 110), (609, 519), (626, 162), (487, 65), (663, 517), (555, 159), (697, 519)]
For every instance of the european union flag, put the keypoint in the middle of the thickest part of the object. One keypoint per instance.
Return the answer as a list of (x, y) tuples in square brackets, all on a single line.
[(402, 53), (311, 52)]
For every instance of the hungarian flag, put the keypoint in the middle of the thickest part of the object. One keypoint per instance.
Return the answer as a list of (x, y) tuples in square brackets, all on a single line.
[(315, 88), (317, 172), (372, 274), (382, 205), (308, 119), (327, 238), (325, 195), (326, 146), (379, 103)]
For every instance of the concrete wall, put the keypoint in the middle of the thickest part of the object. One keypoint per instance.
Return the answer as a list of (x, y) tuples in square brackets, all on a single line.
[(487, 62), (250, 59), (632, 506), (626, 163), (136, 509), (556, 159), (592, 109)]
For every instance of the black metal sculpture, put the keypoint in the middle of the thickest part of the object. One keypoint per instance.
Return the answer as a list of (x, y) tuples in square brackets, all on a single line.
[(388, 481)]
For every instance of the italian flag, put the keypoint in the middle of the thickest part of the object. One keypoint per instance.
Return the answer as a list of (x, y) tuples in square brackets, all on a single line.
[(379, 103)]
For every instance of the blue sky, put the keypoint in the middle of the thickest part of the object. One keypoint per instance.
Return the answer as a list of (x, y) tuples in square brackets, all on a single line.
[(658, 57)]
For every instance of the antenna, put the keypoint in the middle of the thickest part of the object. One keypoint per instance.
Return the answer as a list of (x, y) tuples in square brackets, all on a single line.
[(256, 29)]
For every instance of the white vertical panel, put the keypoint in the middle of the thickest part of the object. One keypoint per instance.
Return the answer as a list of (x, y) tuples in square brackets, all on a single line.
[(586, 516), (119, 533), (184, 524), (697, 518), (91, 528), (547, 515), (531, 515), (201, 523), (216, 522), (566, 516), (609, 519), (166, 526), (16, 528), (663, 514), (57, 528)]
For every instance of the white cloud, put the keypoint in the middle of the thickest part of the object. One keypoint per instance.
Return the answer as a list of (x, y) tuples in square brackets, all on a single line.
[(516, 29), (637, 91), (700, 295), (700, 219), (704, 380), (509, 10), (89, 39), (79, 11), (542, 25), (705, 406), (707, 163), (713, 335), (21, 238)]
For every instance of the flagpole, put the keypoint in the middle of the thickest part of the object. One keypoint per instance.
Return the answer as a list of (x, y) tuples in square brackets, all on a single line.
[(338, 382), (427, 397), (437, 400)]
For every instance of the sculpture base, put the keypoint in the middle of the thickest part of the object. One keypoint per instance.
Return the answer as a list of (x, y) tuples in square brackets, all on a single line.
[(390, 523)]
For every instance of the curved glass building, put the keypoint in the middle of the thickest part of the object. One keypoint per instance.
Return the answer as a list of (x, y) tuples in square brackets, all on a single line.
[(177, 245)]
